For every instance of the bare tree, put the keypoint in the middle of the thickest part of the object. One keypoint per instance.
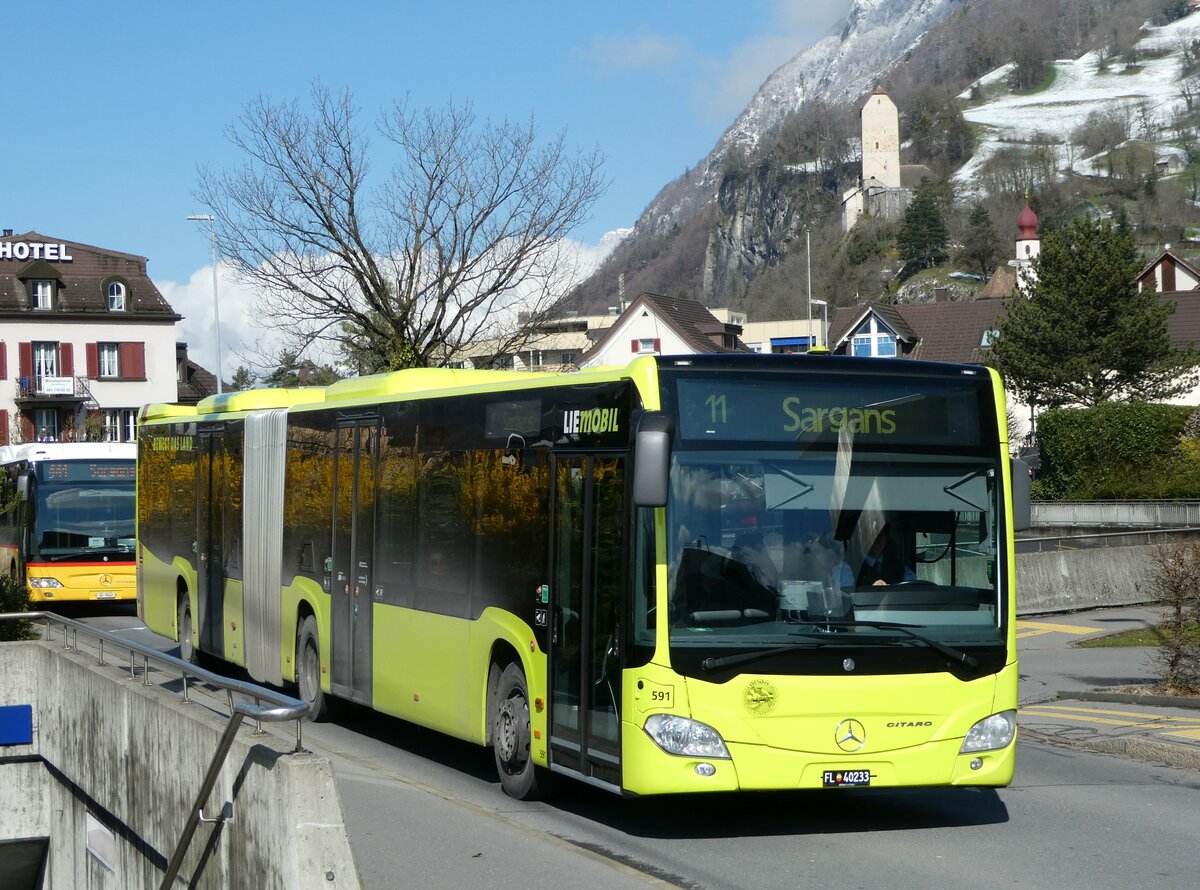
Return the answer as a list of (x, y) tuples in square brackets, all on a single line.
[(462, 242)]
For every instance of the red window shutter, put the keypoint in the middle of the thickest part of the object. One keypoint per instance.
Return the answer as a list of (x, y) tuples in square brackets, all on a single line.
[(4, 362), (633, 345), (133, 360), (66, 359), (25, 359), (92, 357), (657, 345), (3, 426)]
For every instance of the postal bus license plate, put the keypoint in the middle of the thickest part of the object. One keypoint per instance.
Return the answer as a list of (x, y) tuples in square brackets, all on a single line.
[(846, 778), (106, 595)]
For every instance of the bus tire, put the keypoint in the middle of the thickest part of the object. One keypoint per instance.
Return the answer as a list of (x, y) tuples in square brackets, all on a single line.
[(511, 734), (187, 639), (308, 671)]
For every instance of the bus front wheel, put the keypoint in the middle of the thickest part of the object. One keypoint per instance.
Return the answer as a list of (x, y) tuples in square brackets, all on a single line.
[(308, 670), (511, 734), (187, 645)]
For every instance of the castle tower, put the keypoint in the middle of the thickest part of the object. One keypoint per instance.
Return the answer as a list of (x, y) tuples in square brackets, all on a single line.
[(881, 140)]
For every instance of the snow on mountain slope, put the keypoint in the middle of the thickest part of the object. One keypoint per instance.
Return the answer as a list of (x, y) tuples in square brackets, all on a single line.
[(1080, 88)]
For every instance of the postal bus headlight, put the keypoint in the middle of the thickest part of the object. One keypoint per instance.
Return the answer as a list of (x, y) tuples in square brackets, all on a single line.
[(44, 582), (687, 738), (991, 733)]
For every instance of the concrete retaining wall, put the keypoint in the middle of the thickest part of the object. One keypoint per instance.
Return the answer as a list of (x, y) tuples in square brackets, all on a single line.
[(1067, 580), (133, 757)]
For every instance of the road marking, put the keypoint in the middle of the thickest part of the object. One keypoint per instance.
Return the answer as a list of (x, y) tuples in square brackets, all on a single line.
[(1072, 710), (1082, 719), (1034, 628)]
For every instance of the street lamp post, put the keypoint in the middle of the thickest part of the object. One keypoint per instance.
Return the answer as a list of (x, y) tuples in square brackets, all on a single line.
[(824, 304), (808, 264), (212, 226)]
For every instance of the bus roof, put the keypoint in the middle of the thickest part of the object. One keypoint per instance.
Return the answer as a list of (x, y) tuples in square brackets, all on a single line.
[(36, 452), (260, 399)]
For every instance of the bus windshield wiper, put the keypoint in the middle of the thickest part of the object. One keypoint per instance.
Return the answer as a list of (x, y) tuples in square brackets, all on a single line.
[(90, 551), (950, 652), (825, 638)]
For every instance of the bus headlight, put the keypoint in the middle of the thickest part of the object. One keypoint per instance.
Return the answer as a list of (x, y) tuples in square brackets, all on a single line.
[(687, 738), (991, 733), (44, 582)]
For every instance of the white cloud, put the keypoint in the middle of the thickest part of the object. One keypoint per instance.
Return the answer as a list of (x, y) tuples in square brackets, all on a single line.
[(727, 84), (643, 51), (243, 337)]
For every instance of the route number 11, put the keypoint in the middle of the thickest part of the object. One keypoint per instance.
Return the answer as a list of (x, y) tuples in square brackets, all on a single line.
[(716, 405)]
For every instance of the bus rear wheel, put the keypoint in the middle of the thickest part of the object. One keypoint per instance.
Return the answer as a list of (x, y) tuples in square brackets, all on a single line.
[(308, 671), (511, 735)]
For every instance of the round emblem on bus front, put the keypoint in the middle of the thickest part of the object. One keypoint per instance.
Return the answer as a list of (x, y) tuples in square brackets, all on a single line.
[(850, 735), (760, 697)]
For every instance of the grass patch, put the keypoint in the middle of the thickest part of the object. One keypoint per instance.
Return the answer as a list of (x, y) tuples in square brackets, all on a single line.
[(1142, 636)]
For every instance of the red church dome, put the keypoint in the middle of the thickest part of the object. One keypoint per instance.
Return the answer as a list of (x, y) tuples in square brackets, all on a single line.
[(1027, 224)]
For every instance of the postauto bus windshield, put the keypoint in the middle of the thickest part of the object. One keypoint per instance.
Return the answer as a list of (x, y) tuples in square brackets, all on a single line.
[(816, 519), (83, 510)]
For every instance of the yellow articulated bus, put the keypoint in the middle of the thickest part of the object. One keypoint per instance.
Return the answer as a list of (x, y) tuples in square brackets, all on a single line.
[(701, 573), (67, 519)]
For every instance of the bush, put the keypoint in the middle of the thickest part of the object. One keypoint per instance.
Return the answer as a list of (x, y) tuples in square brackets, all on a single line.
[(1117, 450), (1178, 585), (14, 597)]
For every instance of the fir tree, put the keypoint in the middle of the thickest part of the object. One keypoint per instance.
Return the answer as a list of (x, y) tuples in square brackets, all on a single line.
[(923, 234), (981, 244), (1083, 333)]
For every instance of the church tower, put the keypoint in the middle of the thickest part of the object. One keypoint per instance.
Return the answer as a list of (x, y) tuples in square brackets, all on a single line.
[(881, 140), (1029, 245)]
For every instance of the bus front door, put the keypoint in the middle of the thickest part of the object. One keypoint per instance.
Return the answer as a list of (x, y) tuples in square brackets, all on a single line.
[(587, 575), (353, 557)]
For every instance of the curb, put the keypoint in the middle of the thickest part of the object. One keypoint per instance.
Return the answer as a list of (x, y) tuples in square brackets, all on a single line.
[(1132, 747), (1133, 698)]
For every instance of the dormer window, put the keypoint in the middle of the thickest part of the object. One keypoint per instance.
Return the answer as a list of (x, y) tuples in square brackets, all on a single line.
[(116, 297), (874, 339), (43, 294)]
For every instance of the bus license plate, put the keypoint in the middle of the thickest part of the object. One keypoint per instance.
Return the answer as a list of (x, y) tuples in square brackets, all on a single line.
[(846, 778), (106, 595)]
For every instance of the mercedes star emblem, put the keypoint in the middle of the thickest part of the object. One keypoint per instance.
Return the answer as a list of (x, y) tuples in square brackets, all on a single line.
[(850, 735)]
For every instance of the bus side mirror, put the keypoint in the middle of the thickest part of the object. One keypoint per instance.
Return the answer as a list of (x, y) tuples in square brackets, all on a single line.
[(652, 460), (23, 486), (1022, 511)]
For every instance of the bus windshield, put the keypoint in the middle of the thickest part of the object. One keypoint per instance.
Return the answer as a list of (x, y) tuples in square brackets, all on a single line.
[(86, 518), (821, 546)]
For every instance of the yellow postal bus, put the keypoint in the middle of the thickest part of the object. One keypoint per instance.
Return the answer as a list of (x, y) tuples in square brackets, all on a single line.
[(67, 519), (652, 579)]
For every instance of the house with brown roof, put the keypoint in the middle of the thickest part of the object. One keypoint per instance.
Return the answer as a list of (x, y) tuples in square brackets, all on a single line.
[(654, 324), (86, 339), (1169, 272)]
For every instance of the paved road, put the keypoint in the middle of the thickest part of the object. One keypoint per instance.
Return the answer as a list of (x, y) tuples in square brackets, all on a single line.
[(426, 811)]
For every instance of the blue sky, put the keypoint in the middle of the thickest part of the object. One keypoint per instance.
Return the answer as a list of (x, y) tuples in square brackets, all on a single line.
[(112, 106)]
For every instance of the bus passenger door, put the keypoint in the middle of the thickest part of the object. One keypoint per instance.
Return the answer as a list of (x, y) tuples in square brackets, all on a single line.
[(353, 557), (210, 563), (587, 579)]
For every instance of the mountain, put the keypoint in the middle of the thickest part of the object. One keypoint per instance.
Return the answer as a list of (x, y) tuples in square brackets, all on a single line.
[(745, 225), (841, 67)]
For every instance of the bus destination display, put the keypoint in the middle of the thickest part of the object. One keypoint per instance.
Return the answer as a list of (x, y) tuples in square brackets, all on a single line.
[(88, 471), (808, 409)]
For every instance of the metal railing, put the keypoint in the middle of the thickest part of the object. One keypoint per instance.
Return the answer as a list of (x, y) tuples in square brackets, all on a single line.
[(279, 708), (1116, 514)]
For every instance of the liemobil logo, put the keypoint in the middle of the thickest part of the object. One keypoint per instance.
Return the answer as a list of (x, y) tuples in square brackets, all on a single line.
[(597, 420)]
